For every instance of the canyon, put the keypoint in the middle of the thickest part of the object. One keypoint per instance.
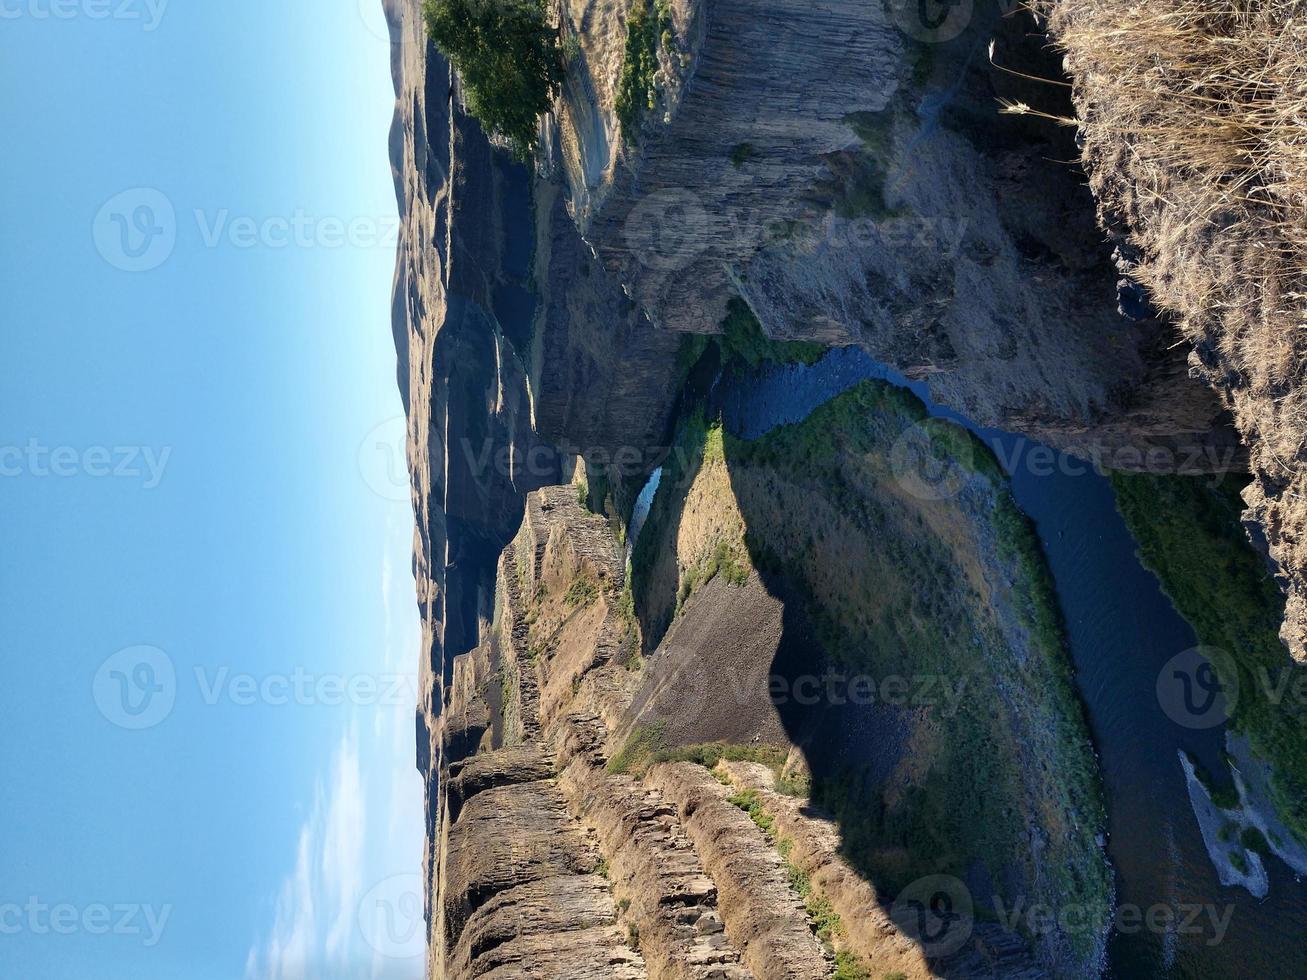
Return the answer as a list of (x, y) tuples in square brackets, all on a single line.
[(615, 787)]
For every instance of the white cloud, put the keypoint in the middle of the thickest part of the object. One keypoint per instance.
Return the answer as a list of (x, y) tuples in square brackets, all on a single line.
[(314, 918), (342, 851), (366, 821)]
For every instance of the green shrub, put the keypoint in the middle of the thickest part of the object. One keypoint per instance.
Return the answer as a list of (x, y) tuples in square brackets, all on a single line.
[(509, 58), (743, 341), (643, 742), (584, 590), (637, 90), (1239, 862), (742, 153), (1253, 840)]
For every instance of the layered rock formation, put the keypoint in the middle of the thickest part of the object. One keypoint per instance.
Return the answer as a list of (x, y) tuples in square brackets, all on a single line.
[(577, 826), (850, 181), (555, 862), (1190, 127), (844, 170)]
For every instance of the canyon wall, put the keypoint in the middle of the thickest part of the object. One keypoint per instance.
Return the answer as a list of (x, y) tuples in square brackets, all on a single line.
[(1188, 120), (846, 172), (850, 181)]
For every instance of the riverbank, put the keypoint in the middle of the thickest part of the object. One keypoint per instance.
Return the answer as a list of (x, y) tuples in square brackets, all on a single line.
[(1191, 537), (978, 765)]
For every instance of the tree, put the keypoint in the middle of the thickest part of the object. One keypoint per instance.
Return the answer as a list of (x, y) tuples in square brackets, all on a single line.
[(509, 58)]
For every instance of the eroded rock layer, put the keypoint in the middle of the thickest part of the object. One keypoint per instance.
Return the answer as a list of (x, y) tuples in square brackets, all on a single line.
[(1191, 137), (844, 169)]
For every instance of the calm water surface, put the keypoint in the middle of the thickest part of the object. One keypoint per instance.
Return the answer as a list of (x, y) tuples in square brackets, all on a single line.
[(1122, 631)]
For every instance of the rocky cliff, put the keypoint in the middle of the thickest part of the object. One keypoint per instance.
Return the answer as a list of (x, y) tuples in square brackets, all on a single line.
[(598, 806), (1190, 125), (492, 286), (632, 780), (843, 168), (567, 849)]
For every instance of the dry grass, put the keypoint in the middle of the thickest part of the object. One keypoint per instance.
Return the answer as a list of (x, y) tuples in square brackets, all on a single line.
[(1209, 101), (1193, 115)]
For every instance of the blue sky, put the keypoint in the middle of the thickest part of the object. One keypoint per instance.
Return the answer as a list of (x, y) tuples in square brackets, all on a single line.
[(210, 635)]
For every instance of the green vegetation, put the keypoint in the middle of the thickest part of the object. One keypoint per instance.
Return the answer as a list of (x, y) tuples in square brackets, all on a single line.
[(647, 746), (748, 801), (822, 917), (631, 658), (742, 153), (859, 176), (847, 967), (723, 559), (743, 341), (640, 747), (509, 58), (1226, 797), (1254, 840), (886, 584), (581, 592), (1239, 862), (637, 88), (571, 48), (1190, 536), (815, 495)]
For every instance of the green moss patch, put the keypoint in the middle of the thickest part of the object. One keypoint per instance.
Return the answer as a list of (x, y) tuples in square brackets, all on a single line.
[(1191, 537)]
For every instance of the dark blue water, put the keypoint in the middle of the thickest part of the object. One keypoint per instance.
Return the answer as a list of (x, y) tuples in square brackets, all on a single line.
[(1122, 630)]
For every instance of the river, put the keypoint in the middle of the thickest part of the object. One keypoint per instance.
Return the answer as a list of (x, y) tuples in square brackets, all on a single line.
[(1122, 631)]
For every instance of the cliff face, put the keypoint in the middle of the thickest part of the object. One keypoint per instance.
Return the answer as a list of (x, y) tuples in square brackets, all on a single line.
[(622, 788), (599, 806), (846, 173), (1190, 134), (504, 330), (556, 862)]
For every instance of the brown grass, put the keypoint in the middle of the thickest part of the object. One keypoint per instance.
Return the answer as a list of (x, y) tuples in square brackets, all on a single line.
[(1193, 115), (1209, 100)]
